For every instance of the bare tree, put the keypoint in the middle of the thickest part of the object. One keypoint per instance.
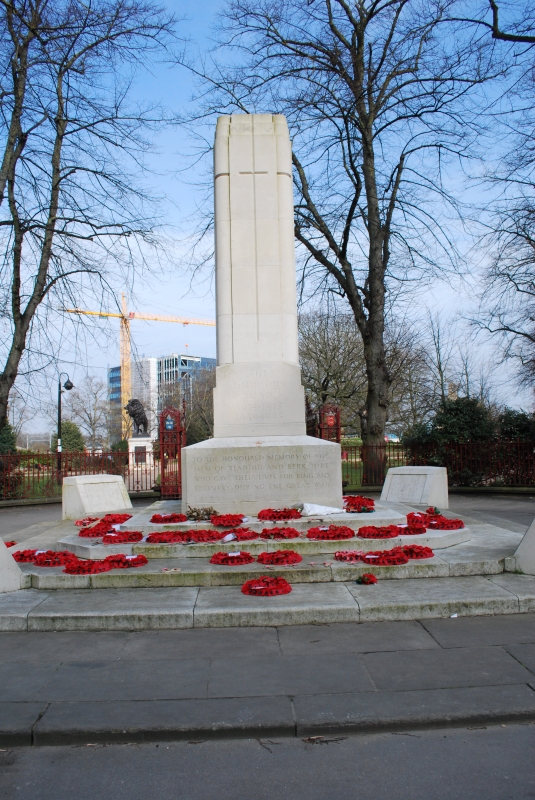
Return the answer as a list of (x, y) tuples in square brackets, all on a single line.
[(377, 99), (75, 209), (87, 405)]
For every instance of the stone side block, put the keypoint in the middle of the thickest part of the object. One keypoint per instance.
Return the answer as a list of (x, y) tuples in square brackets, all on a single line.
[(524, 557), (426, 485), (93, 494), (15, 607), (246, 474), (11, 577)]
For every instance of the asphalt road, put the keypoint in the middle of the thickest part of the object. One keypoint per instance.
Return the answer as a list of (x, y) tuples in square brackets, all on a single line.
[(494, 763)]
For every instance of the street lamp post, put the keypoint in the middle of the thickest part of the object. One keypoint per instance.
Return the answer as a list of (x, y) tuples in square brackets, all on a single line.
[(68, 385)]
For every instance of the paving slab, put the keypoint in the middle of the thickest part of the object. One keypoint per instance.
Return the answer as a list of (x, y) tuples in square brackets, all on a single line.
[(288, 675), (23, 682), (480, 631), (15, 607), (17, 721), (83, 723), (524, 654), (377, 711), (128, 680), (312, 640), (523, 586), (114, 609), (443, 669), (434, 597), (195, 643), (315, 603), (46, 647)]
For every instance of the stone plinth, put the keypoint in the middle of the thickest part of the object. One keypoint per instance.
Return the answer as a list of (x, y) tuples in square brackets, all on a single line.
[(140, 451), (524, 557), (428, 485), (246, 474), (93, 494), (10, 572)]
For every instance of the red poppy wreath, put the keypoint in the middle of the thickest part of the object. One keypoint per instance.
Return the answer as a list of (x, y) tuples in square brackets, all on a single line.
[(280, 558), (266, 586)]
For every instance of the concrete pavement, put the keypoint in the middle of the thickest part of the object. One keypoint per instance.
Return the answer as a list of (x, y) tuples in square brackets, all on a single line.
[(85, 688)]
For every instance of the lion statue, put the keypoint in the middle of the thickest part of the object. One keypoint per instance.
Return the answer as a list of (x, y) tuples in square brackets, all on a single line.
[(135, 410)]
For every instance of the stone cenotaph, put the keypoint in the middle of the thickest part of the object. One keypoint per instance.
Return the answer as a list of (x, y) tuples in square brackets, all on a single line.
[(260, 456)]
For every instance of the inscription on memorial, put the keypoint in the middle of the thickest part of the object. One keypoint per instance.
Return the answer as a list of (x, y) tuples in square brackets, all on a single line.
[(244, 473)]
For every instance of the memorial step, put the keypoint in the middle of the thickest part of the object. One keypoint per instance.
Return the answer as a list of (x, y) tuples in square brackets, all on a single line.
[(221, 607), (200, 572)]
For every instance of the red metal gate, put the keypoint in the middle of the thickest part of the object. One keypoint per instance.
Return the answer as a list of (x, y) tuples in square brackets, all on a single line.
[(329, 423), (172, 440)]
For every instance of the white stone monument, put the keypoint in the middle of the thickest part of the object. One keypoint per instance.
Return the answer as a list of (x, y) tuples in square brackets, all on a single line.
[(10, 572), (427, 485), (524, 557), (93, 494), (260, 455)]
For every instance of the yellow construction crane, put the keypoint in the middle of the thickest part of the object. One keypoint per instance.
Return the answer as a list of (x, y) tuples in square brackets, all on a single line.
[(125, 347)]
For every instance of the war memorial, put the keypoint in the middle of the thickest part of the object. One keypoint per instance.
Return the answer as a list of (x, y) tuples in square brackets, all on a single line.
[(262, 502)]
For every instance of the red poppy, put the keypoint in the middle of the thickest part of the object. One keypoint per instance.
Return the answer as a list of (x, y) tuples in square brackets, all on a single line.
[(280, 557), (358, 504), (98, 530), (122, 537), (386, 558), (83, 523), (168, 537), (161, 519), (116, 519), (206, 536), (87, 567), (332, 532), (243, 534), (367, 579), (120, 561), (53, 558), (278, 514), (10, 544), (279, 533), (412, 530), (349, 556), (227, 520), (24, 556), (416, 551), (266, 586), (440, 523), (375, 532), (232, 559)]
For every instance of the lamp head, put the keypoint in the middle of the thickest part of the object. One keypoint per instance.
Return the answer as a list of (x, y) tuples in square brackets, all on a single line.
[(68, 385)]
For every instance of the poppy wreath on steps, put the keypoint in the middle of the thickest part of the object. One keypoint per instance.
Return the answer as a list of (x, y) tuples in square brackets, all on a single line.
[(232, 559), (440, 523), (386, 558), (122, 537), (87, 567), (53, 558), (205, 537), (433, 511), (418, 518), (242, 534), (280, 558), (367, 579), (412, 530), (116, 519), (378, 532), (83, 523), (168, 537), (358, 504), (278, 514), (120, 561), (25, 556), (98, 530), (266, 586), (416, 551), (331, 533), (279, 533), (10, 544), (166, 519), (349, 556), (227, 520)]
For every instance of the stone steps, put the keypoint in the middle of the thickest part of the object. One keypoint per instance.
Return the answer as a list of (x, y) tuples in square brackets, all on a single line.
[(199, 572), (93, 548), (167, 608)]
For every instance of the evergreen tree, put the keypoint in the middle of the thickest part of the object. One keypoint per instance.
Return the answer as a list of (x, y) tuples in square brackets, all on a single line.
[(8, 440), (71, 438)]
